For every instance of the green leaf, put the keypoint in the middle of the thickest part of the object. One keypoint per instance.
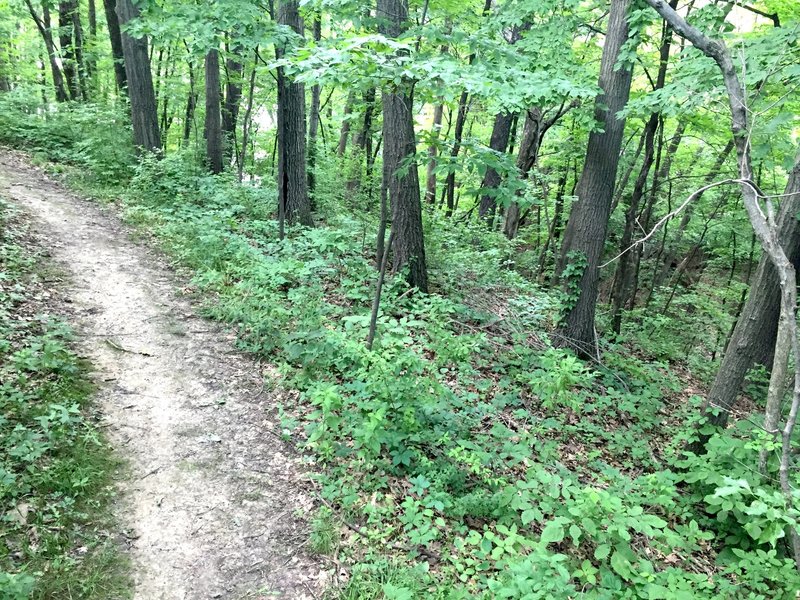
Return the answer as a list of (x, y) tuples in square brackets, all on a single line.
[(552, 533), (393, 592), (575, 534), (621, 565), (602, 551)]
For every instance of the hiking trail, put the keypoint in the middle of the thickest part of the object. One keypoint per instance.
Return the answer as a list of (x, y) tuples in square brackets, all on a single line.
[(213, 504)]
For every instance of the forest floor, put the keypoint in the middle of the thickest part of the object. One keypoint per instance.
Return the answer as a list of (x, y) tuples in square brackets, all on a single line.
[(213, 502)]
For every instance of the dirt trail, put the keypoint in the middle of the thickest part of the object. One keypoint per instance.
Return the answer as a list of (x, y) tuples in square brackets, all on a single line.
[(215, 501)]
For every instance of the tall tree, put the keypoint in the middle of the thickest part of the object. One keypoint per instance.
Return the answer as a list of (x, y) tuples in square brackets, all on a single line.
[(144, 110), (213, 123), (233, 96), (191, 99), (585, 233), (43, 24), (115, 36), (293, 200), (623, 278), (461, 119), (501, 134), (314, 116), (433, 153), (755, 331), (399, 155), (91, 60), (66, 31), (532, 133), (344, 134)]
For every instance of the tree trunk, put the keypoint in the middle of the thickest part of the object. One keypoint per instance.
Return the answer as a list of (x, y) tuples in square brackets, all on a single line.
[(77, 39), (364, 136), (213, 124), (586, 229), (345, 132), (313, 118), (623, 275), (91, 61), (44, 26), (555, 224), (247, 119), (166, 117), (65, 41), (528, 154), (191, 103), (293, 197), (450, 181), (754, 334), (230, 109), (624, 288), (461, 119), (144, 112), (662, 171), (501, 132), (398, 154), (433, 152), (115, 36), (5, 79)]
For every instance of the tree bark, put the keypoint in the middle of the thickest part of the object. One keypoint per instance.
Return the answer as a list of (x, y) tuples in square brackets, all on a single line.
[(433, 153), (44, 26), (191, 103), (230, 109), (501, 133), (77, 44), (528, 154), (247, 118), (313, 119), (364, 136), (755, 331), (91, 62), (450, 180), (144, 111), (293, 198), (626, 277), (344, 134), (586, 229), (461, 119), (213, 123), (623, 275), (65, 41), (555, 225), (115, 36), (399, 157)]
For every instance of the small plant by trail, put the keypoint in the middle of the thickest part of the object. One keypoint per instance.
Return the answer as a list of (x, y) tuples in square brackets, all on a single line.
[(55, 465)]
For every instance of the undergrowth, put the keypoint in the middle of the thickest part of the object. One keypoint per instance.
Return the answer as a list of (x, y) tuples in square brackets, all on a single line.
[(496, 464), (55, 465), (464, 456)]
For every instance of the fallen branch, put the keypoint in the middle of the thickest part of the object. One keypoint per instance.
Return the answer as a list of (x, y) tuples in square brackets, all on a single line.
[(116, 346)]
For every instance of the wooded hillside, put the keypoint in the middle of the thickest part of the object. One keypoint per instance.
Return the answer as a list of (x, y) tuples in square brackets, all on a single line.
[(527, 268)]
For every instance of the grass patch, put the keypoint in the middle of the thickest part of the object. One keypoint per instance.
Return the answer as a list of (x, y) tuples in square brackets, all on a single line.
[(55, 465)]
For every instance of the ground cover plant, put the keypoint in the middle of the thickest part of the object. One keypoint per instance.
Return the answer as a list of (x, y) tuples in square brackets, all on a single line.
[(56, 469), (498, 464), (583, 217)]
